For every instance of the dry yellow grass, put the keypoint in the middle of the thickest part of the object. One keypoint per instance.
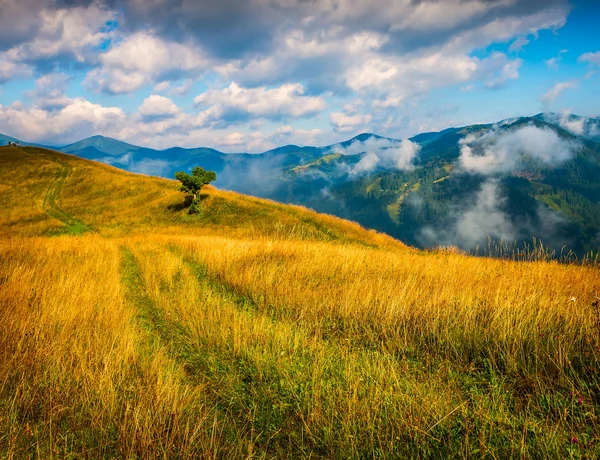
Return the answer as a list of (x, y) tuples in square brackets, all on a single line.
[(262, 330)]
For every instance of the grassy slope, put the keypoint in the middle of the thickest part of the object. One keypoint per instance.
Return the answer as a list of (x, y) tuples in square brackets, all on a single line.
[(263, 330), (109, 201)]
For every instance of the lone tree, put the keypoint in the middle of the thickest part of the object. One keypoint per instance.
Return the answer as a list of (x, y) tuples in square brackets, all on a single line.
[(192, 184)]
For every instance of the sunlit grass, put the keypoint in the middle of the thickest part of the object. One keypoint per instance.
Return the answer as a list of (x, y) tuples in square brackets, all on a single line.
[(268, 331)]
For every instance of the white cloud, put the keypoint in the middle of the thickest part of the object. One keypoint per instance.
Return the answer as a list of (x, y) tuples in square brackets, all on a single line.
[(518, 44), (389, 56), (366, 164), (235, 102), (581, 126), (141, 59), (379, 65), (551, 95), (150, 166), (591, 58), (498, 151), (181, 90), (575, 125), (501, 70), (380, 152), (10, 70), (156, 106), (444, 15), (80, 118), (344, 123), (73, 32), (289, 135), (122, 160), (483, 218), (502, 29), (552, 63), (49, 93)]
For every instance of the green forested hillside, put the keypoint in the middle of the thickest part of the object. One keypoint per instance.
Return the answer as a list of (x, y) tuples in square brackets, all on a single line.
[(557, 202)]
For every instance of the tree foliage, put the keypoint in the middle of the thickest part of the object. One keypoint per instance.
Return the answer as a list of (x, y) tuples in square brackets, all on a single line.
[(192, 184)]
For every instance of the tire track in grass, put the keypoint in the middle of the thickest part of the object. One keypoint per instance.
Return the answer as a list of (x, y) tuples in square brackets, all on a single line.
[(50, 205), (255, 401), (72, 225)]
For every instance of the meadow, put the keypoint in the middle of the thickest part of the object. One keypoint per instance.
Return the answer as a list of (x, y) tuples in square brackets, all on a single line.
[(129, 329)]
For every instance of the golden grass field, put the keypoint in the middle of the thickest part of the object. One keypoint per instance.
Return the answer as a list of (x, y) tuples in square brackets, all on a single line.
[(129, 329)]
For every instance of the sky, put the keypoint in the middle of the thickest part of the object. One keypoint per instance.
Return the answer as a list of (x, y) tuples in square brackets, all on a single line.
[(250, 75)]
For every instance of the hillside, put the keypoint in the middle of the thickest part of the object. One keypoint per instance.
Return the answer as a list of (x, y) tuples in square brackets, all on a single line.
[(526, 178), (545, 188), (45, 192), (129, 329)]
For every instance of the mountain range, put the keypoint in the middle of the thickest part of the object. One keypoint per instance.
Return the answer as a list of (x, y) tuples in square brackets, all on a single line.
[(510, 182)]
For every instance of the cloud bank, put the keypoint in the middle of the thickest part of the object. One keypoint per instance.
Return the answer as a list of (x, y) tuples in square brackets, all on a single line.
[(501, 151), (483, 217)]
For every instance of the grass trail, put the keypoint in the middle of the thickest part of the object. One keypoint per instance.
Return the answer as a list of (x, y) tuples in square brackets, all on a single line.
[(51, 202), (281, 387)]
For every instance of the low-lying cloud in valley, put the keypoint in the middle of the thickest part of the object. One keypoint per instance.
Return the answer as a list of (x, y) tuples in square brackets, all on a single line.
[(484, 216), (498, 151), (473, 224), (148, 166), (258, 175), (379, 153)]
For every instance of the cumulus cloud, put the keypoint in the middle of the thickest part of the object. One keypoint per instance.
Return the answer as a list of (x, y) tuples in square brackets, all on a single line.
[(347, 123), (156, 107), (45, 35), (236, 29), (180, 89), (79, 118), (388, 55), (379, 52), (10, 70), (498, 151), (289, 135), (379, 152), (551, 95), (49, 93), (71, 31), (235, 103), (143, 58)]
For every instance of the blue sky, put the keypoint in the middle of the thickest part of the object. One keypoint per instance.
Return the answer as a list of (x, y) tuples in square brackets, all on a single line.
[(251, 75)]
